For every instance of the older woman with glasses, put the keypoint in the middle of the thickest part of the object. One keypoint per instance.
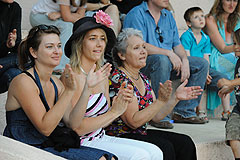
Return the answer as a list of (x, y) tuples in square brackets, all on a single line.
[(37, 103), (130, 55)]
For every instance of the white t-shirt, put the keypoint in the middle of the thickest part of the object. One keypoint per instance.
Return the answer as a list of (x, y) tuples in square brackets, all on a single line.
[(48, 6)]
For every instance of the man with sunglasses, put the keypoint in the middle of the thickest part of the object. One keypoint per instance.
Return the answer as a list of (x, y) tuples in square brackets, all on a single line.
[(10, 38), (167, 58)]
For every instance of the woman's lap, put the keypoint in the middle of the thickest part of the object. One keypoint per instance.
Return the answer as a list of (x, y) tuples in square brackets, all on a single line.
[(82, 153), (125, 148)]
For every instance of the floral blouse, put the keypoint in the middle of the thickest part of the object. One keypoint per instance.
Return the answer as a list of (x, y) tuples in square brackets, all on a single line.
[(118, 127)]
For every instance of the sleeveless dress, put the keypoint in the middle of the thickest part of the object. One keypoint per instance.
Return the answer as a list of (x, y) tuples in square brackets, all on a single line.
[(97, 105), (20, 128), (224, 63)]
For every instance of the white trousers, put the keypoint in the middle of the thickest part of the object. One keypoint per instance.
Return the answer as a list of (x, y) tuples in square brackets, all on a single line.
[(126, 149)]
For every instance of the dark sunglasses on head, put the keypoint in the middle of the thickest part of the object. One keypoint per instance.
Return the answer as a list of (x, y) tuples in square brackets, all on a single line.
[(159, 32), (44, 27)]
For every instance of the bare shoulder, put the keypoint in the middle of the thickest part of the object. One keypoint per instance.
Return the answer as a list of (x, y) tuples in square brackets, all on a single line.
[(210, 20), (21, 86)]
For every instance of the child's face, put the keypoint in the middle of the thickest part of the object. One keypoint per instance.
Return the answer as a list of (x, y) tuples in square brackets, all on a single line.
[(236, 47), (197, 20)]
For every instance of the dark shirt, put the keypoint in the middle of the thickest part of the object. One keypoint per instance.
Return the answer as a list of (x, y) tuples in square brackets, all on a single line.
[(10, 18), (126, 5), (236, 109)]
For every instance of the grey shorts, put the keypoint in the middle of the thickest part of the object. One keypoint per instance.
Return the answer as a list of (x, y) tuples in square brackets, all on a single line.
[(233, 128)]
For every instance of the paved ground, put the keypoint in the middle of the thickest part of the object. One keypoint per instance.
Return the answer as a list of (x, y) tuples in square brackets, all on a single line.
[(201, 133)]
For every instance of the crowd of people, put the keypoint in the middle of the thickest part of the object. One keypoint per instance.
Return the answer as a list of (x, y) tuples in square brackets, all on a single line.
[(116, 60)]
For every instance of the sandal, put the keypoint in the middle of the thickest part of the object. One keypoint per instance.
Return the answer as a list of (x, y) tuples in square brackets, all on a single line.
[(225, 115), (202, 115)]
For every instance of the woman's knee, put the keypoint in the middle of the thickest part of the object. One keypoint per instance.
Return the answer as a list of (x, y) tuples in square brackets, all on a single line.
[(112, 9)]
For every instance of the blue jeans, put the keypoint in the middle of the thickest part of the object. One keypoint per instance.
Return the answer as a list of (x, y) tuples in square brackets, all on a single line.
[(9, 70), (215, 77), (159, 69)]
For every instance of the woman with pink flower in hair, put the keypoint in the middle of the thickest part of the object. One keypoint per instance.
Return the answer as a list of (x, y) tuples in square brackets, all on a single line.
[(92, 36)]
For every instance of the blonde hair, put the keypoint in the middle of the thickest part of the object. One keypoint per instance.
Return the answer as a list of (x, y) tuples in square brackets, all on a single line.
[(77, 50), (217, 11)]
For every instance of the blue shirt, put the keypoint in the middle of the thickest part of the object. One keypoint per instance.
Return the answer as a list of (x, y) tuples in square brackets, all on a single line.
[(190, 44), (140, 18)]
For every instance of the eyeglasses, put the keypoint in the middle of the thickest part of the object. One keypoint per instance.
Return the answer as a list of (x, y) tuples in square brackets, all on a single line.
[(159, 32)]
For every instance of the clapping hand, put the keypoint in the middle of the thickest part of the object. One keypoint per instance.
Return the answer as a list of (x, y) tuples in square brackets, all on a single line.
[(187, 93), (95, 78), (120, 102), (12, 36), (165, 91), (69, 78)]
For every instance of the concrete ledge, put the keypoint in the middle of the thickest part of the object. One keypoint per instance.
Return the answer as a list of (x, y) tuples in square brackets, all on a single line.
[(209, 140), (12, 150), (214, 151)]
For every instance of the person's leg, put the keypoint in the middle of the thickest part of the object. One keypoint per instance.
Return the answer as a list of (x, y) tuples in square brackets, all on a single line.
[(64, 27), (113, 12), (9, 71), (82, 153), (216, 76), (174, 145), (198, 74), (183, 145), (235, 146), (158, 68), (233, 133), (165, 145), (125, 148)]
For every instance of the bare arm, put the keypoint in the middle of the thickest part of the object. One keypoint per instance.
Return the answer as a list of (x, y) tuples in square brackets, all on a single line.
[(120, 103), (173, 57), (216, 38), (67, 15), (25, 91), (135, 118), (74, 115), (185, 69)]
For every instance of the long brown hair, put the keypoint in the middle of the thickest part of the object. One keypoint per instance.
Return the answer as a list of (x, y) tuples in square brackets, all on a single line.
[(217, 11)]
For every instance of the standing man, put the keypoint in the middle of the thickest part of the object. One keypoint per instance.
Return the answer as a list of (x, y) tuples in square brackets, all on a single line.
[(167, 58), (10, 37)]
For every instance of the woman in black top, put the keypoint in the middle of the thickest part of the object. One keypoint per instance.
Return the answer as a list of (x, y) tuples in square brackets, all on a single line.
[(10, 37)]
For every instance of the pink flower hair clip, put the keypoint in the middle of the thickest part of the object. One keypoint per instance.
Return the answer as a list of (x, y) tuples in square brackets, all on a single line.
[(103, 18)]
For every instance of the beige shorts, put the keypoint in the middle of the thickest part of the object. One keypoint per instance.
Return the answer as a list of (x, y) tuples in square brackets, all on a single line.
[(233, 127)]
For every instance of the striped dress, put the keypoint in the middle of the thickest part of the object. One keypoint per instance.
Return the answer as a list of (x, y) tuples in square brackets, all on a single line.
[(97, 105)]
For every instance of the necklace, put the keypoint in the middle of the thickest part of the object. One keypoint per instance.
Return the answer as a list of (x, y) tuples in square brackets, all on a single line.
[(132, 76), (83, 71)]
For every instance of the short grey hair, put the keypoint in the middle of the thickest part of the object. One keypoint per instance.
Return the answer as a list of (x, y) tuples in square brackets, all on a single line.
[(122, 44)]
